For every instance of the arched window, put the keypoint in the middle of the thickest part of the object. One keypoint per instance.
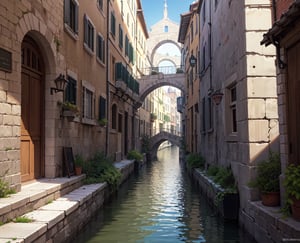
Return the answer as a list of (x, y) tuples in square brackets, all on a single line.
[(166, 28), (114, 116)]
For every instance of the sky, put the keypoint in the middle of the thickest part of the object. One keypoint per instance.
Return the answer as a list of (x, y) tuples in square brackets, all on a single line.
[(154, 10)]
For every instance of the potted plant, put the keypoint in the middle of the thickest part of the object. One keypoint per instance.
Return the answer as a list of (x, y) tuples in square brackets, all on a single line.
[(267, 180), (153, 117), (79, 162), (102, 122), (227, 197), (136, 156), (146, 146), (69, 110), (292, 186)]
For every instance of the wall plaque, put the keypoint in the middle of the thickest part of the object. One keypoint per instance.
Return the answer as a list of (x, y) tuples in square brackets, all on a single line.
[(5, 60)]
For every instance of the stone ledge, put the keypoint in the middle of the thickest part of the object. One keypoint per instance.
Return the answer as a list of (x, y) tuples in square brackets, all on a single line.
[(270, 222), (36, 194), (60, 220)]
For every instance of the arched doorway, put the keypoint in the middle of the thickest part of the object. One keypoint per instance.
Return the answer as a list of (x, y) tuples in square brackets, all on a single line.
[(32, 111)]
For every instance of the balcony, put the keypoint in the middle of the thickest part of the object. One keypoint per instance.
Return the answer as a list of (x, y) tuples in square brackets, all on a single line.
[(125, 81)]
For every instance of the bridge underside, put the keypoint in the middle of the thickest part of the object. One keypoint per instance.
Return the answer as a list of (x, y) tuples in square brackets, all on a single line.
[(161, 137), (151, 82)]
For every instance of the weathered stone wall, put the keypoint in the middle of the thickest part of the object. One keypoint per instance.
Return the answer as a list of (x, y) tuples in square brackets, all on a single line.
[(17, 18)]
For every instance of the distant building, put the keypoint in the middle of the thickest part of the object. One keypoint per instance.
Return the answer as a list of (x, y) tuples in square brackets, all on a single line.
[(189, 33)]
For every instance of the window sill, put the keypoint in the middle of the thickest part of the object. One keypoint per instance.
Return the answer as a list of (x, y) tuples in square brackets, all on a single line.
[(100, 62), (88, 121), (232, 137), (88, 49), (70, 32)]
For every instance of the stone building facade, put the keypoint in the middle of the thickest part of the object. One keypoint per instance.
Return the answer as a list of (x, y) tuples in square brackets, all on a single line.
[(189, 36), (242, 129), (87, 44)]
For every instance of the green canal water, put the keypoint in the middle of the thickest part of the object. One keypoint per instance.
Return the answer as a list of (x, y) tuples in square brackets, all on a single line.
[(160, 204)]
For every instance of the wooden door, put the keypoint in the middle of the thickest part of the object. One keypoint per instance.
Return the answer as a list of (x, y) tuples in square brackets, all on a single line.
[(293, 103), (32, 87)]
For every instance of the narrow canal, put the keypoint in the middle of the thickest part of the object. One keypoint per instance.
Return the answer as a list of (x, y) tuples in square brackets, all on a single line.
[(158, 205)]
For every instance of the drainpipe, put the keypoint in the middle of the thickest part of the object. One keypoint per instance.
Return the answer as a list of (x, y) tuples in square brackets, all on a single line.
[(210, 47), (107, 82)]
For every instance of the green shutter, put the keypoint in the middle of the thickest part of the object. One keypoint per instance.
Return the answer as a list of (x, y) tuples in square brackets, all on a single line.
[(67, 11)]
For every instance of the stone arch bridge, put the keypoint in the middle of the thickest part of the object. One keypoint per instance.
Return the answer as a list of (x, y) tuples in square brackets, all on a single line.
[(161, 137), (148, 83)]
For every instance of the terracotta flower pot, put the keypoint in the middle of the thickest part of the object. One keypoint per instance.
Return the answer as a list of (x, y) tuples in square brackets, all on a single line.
[(78, 170), (296, 209), (270, 199)]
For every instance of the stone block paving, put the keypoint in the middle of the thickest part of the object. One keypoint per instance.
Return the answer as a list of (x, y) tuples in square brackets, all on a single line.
[(48, 215), (52, 216)]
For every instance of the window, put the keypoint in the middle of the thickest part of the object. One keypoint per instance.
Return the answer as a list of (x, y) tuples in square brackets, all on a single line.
[(120, 37), (100, 48), (71, 15), (203, 127), (100, 4), (126, 46), (88, 101), (102, 108), (203, 13), (130, 54), (232, 105), (166, 29), (120, 119), (207, 119), (112, 24), (71, 91), (114, 116), (88, 33), (216, 4), (202, 62)]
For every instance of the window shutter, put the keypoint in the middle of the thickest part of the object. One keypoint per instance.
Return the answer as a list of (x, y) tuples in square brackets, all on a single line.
[(102, 107), (103, 50), (98, 47), (85, 22), (67, 11), (76, 19)]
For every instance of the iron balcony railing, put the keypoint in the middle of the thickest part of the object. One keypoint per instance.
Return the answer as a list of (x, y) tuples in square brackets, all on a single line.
[(163, 69), (122, 75)]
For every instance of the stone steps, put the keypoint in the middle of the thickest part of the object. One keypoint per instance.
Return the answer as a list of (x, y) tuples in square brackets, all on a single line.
[(51, 220), (58, 209), (35, 195)]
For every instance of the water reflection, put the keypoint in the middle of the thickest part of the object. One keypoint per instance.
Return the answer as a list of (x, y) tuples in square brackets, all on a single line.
[(159, 205)]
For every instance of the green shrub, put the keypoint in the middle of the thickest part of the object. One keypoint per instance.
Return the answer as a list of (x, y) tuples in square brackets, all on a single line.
[(195, 161), (78, 160), (5, 190), (146, 143), (23, 219), (135, 155), (292, 181), (212, 170), (224, 178), (101, 169), (268, 172)]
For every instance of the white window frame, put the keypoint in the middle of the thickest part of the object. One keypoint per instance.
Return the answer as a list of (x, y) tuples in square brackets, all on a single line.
[(231, 106), (71, 30), (101, 46), (90, 47), (88, 103)]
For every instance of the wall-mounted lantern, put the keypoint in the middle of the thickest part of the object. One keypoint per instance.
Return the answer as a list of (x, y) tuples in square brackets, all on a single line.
[(217, 97), (193, 61), (60, 84)]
